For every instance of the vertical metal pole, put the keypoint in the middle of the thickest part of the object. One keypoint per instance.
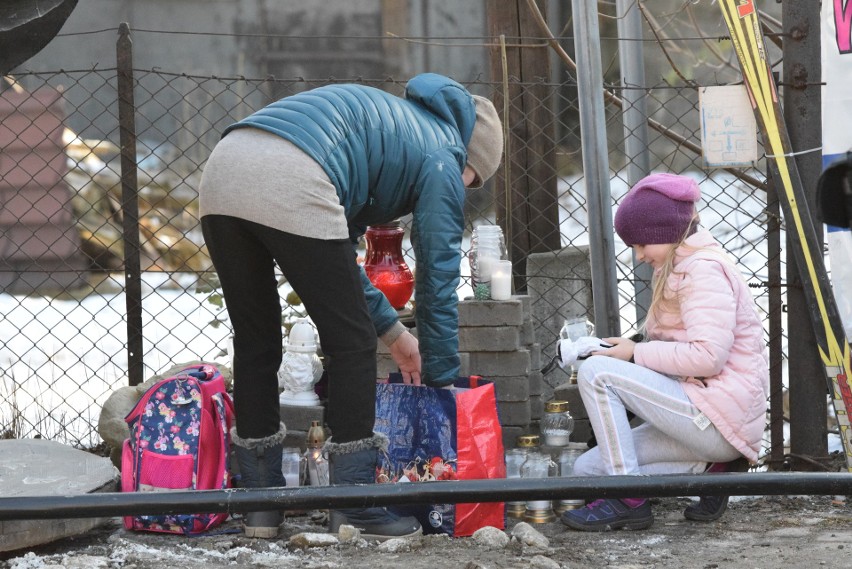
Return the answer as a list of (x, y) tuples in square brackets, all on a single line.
[(802, 75), (635, 119), (596, 167), (776, 379), (129, 204)]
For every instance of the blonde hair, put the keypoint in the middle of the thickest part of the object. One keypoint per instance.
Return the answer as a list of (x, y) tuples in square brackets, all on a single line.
[(660, 300)]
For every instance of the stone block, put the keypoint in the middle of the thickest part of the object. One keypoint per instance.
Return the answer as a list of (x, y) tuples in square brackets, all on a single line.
[(491, 312), (464, 364), (492, 364), (298, 418), (560, 288), (535, 382), (511, 434), (535, 356), (526, 305), (516, 413), (528, 333), (514, 388), (489, 338), (536, 407), (42, 468), (570, 392)]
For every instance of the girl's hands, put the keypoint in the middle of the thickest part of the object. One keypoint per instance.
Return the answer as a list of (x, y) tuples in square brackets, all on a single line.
[(622, 349)]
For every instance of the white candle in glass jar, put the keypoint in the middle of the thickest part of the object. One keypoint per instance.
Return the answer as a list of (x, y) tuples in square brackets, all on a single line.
[(486, 267), (501, 280)]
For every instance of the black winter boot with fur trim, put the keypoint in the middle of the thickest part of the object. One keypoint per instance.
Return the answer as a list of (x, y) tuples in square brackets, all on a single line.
[(260, 467), (355, 463)]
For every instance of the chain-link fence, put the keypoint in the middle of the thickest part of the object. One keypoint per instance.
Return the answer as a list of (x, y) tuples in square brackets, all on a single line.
[(105, 273)]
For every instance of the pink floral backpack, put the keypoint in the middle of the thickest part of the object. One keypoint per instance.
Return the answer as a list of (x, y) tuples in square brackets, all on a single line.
[(179, 440)]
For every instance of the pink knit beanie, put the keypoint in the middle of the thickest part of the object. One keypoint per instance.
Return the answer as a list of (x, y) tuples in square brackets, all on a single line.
[(657, 210)]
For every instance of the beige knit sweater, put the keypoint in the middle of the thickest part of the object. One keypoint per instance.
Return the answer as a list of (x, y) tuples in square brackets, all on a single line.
[(261, 177)]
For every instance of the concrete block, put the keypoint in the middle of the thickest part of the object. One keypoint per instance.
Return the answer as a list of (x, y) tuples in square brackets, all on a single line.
[(464, 364), (42, 468), (535, 356), (560, 288), (298, 418), (528, 333), (535, 383), (536, 407), (516, 413), (526, 305), (511, 434), (492, 364), (514, 388), (491, 312), (489, 338), (570, 392)]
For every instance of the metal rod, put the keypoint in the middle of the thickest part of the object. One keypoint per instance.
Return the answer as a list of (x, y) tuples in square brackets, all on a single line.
[(449, 492), (130, 204), (596, 168), (631, 58)]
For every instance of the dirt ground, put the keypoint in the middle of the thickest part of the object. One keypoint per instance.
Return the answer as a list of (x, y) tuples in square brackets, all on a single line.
[(755, 533)]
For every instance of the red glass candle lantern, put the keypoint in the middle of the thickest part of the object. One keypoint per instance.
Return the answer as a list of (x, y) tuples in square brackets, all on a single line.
[(385, 266)]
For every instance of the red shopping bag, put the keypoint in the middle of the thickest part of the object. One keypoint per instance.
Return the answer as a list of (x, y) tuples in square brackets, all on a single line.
[(443, 434)]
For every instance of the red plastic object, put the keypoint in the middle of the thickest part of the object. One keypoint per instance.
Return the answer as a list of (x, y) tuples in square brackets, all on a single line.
[(385, 265)]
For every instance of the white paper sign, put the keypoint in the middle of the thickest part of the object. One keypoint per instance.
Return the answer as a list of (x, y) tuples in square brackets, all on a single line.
[(728, 127)]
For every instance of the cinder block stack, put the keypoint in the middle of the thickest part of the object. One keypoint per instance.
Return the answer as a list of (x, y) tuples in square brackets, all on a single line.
[(499, 341)]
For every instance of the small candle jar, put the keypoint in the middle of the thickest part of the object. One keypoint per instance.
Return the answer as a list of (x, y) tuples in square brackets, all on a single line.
[(501, 280), (557, 424), (291, 466), (317, 462), (487, 247), (538, 465), (515, 457), (567, 457)]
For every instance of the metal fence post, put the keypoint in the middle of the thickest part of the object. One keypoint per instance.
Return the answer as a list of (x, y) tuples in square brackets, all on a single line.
[(129, 204), (802, 107), (631, 59), (596, 167)]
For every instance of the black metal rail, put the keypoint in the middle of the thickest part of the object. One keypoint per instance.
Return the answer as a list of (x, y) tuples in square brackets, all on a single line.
[(450, 492)]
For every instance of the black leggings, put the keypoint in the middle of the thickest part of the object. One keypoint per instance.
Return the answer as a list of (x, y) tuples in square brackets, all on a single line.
[(326, 277)]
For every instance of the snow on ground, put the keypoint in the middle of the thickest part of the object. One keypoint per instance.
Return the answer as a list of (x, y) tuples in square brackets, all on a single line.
[(60, 359)]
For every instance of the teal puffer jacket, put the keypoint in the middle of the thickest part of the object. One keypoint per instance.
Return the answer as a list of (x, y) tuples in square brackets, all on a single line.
[(389, 157)]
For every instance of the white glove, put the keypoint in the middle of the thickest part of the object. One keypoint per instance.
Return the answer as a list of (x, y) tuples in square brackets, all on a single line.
[(572, 350)]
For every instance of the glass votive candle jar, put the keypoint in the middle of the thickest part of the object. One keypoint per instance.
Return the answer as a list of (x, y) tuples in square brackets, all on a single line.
[(557, 424), (538, 465)]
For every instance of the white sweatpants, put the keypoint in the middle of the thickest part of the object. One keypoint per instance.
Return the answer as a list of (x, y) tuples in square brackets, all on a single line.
[(670, 441)]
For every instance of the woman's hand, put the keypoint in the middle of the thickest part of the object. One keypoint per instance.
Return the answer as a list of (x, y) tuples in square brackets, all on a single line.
[(405, 351), (622, 349)]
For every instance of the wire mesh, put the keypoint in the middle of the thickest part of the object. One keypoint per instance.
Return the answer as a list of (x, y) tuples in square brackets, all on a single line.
[(63, 328)]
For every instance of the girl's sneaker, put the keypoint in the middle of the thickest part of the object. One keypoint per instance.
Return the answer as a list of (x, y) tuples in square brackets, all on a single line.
[(609, 514), (711, 508)]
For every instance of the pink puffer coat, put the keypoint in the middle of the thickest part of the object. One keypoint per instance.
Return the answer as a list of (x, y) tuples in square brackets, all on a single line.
[(714, 343)]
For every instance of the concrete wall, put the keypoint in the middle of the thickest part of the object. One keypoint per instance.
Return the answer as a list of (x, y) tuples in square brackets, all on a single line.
[(256, 38)]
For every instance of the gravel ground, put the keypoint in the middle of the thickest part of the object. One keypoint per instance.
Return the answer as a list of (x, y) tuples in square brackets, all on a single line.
[(762, 532)]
